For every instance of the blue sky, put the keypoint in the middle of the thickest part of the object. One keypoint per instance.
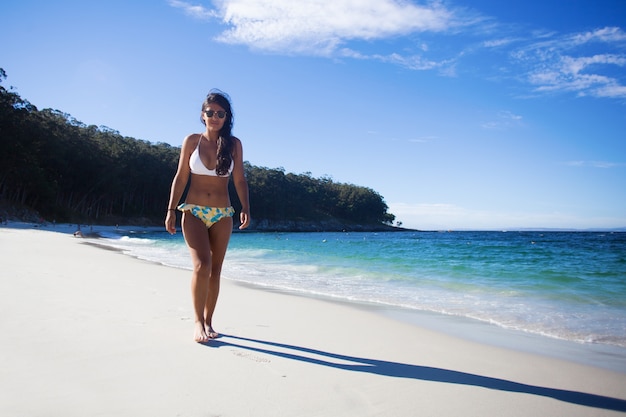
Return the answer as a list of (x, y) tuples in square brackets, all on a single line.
[(462, 114)]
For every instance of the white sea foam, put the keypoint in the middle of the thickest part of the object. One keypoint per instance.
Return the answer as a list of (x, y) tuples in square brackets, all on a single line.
[(346, 270)]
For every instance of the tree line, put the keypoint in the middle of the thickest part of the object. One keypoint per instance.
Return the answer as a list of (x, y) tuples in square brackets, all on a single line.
[(68, 171)]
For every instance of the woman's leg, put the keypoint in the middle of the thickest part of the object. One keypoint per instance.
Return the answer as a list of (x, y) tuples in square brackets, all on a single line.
[(197, 238), (219, 236)]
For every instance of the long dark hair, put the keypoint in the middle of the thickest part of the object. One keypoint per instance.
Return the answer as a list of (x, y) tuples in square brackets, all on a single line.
[(225, 141)]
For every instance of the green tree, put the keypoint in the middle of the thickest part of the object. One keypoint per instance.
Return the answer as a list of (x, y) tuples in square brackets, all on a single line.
[(68, 171)]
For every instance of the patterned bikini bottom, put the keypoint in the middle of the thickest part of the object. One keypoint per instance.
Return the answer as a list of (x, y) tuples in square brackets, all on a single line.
[(208, 215)]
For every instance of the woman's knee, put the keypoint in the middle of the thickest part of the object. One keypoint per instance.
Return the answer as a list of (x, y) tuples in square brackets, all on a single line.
[(202, 267), (216, 272)]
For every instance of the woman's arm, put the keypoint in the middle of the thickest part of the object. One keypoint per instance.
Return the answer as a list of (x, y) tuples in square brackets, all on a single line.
[(241, 184), (178, 184)]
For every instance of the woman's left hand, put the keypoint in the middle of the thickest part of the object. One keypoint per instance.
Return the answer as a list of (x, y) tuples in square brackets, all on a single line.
[(244, 218)]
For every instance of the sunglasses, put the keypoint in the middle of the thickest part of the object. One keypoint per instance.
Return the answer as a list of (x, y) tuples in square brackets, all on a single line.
[(220, 113)]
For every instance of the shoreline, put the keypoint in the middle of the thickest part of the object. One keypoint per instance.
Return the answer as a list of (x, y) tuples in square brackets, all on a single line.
[(114, 337), (450, 324), (603, 356), (606, 356)]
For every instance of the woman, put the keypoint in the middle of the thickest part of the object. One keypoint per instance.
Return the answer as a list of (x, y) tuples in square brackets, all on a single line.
[(207, 212)]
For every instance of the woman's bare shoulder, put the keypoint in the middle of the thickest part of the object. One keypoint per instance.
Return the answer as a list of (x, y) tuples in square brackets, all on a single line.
[(191, 140), (237, 146)]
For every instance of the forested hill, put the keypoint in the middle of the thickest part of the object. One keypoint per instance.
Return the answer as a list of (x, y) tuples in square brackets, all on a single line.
[(67, 171)]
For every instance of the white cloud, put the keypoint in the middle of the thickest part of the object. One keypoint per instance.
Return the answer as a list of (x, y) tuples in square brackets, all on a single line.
[(611, 90), (414, 62), (594, 164), (319, 27), (548, 62), (424, 139), (198, 12), (504, 120), (496, 43), (442, 216), (562, 64), (608, 34), (576, 65), (569, 75)]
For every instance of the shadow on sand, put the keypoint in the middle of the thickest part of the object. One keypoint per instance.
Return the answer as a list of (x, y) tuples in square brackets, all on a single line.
[(423, 373)]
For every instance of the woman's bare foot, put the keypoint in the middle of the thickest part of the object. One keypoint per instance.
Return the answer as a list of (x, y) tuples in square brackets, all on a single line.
[(212, 334), (200, 334)]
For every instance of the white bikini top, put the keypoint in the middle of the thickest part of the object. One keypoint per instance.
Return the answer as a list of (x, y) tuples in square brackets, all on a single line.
[(197, 167)]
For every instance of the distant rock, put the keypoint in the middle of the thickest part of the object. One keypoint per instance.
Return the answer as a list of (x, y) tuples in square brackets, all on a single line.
[(328, 225)]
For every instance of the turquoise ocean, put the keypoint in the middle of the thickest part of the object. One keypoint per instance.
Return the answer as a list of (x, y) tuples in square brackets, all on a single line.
[(567, 286)]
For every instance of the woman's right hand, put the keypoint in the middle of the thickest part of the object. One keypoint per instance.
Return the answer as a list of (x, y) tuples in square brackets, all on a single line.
[(170, 222)]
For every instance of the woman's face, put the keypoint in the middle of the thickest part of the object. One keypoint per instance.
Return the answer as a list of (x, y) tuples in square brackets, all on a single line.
[(212, 117)]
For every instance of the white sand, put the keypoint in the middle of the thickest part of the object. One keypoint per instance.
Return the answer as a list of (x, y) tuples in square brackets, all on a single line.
[(90, 332)]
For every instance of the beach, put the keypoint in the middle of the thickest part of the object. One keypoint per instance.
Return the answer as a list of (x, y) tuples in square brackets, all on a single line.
[(93, 332)]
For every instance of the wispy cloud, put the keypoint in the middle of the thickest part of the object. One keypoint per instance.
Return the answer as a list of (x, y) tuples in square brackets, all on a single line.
[(504, 120), (565, 63), (424, 139), (196, 11), (497, 43), (440, 38), (413, 62), (608, 34), (594, 164)]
